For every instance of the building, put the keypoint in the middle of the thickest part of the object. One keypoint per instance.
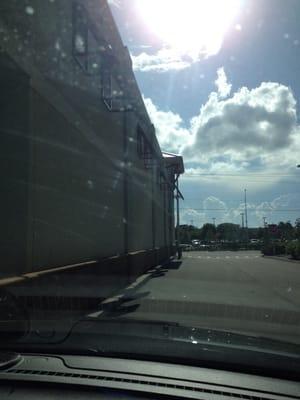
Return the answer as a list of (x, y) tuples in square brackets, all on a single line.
[(83, 176)]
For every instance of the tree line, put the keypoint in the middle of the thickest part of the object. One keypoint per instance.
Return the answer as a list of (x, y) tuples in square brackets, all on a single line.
[(284, 231)]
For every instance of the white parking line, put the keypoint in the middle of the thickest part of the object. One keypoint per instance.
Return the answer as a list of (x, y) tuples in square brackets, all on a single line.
[(232, 257)]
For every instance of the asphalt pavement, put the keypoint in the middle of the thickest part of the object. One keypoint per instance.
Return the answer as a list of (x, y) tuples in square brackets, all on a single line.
[(241, 291)]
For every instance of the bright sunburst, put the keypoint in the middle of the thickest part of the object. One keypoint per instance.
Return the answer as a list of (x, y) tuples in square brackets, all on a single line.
[(192, 27)]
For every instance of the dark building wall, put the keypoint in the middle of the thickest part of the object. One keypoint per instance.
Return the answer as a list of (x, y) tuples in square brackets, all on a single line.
[(77, 196), (85, 192), (14, 164)]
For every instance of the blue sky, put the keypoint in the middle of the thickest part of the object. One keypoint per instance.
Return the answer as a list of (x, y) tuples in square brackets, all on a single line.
[(233, 115)]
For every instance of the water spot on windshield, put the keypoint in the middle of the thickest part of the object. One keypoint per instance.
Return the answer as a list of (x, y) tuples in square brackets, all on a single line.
[(29, 10), (90, 184), (79, 44), (57, 45)]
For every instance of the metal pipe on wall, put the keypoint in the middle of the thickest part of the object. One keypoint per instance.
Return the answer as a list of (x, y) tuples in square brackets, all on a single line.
[(125, 182)]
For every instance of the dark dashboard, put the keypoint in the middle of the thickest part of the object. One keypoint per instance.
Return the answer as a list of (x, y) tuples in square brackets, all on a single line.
[(78, 377)]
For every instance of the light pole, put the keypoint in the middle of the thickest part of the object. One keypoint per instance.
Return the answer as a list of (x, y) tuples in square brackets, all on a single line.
[(246, 215), (265, 224), (243, 225), (242, 215)]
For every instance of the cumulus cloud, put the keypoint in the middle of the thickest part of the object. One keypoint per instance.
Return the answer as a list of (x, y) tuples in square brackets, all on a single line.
[(189, 216), (162, 61), (213, 203), (250, 138), (258, 120), (250, 131), (170, 130), (252, 124), (223, 86), (279, 209)]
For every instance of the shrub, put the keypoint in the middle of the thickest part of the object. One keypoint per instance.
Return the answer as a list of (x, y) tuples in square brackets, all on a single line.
[(254, 246), (293, 248), (229, 246), (273, 249)]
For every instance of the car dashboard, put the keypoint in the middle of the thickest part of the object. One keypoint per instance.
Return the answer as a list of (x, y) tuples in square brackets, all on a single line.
[(56, 376)]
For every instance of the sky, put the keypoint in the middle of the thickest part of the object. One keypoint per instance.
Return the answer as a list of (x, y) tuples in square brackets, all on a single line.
[(221, 83)]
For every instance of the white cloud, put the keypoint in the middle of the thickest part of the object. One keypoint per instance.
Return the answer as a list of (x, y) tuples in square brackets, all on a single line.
[(252, 133), (278, 209), (250, 139), (190, 216), (213, 203), (259, 120), (252, 123), (224, 88), (162, 61), (170, 130)]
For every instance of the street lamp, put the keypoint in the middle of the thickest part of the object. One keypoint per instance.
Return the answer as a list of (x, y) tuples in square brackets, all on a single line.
[(242, 215), (264, 219)]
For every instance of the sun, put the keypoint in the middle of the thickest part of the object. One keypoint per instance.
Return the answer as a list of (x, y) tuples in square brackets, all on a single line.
[(192, 27)]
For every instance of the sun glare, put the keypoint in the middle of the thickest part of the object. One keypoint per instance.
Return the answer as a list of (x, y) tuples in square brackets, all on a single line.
[(192, 27)]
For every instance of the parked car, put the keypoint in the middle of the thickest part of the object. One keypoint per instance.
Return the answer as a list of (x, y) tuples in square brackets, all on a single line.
[(186, 247)]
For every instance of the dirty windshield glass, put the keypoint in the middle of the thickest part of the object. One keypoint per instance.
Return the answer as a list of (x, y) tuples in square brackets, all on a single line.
[(149, 154)]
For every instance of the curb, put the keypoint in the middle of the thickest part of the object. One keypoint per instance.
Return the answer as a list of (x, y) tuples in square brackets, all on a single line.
[(282, 259)]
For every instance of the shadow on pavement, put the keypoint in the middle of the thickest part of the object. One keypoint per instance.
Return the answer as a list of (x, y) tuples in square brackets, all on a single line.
[(122, 310), (174, 264)]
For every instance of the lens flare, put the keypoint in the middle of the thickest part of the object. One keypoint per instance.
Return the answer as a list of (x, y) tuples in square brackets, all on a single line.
[(191, 27)]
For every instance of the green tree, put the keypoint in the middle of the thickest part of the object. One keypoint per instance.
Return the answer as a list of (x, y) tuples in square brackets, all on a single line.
[(188, 233), (297, 228), (286, 230), (228, 231), (208, 232), (260, 233)]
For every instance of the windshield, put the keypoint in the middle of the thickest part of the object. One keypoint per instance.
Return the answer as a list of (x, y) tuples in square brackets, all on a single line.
[(150, 201)]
